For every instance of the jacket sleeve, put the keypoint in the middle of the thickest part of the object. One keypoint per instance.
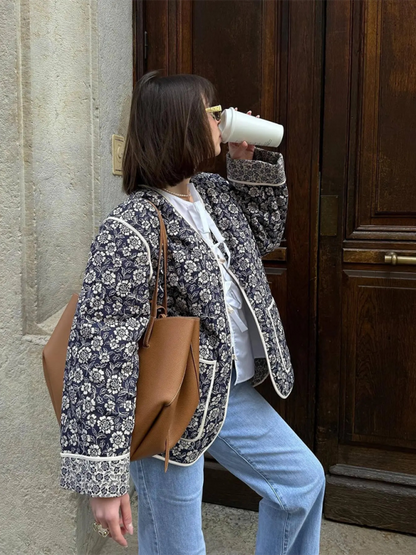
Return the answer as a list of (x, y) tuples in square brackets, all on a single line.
[(260, 188), (101, 373)]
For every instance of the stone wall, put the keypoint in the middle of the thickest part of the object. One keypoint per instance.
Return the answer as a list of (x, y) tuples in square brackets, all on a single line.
[(66, 79)]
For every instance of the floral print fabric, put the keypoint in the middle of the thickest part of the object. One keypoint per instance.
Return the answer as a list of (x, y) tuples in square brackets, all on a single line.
[(113, 311)]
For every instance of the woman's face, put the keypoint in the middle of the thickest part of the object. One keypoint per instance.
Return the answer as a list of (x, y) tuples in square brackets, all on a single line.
[(216, 135)]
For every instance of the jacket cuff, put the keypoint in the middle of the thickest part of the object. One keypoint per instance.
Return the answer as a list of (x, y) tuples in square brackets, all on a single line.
[(266, 168), (97, 477)]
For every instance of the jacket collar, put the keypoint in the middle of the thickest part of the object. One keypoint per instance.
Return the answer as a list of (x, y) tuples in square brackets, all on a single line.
[(161, 201)]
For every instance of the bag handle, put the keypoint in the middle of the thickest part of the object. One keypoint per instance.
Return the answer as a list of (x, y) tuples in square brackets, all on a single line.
[(163, 246)]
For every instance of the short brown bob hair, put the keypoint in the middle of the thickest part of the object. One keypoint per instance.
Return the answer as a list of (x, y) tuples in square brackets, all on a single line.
[(169, 137)]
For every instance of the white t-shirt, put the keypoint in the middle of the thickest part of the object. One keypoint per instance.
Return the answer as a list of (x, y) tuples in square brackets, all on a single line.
[(198, 218)]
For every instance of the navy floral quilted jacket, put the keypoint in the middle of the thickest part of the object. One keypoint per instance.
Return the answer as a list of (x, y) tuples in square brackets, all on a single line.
[(113, 312)]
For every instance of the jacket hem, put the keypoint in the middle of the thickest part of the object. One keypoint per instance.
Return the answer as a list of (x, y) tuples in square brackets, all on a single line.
[(265, 172), (96, 477), (256, 183)]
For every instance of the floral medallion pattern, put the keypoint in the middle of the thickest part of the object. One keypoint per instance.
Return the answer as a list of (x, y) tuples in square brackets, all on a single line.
[(113, 311)]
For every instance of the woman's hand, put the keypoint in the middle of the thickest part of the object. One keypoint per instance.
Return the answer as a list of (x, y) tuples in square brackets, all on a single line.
[(113, 513), (241, 151)]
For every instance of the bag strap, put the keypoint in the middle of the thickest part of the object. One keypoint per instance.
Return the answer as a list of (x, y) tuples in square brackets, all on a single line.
[(163, 246)]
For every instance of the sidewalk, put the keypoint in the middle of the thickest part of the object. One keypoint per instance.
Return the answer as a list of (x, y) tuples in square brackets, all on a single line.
[(233, 532)]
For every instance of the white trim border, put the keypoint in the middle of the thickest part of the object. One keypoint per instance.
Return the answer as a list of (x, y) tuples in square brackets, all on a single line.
[(254, 183), (145, 243), (76, 456)]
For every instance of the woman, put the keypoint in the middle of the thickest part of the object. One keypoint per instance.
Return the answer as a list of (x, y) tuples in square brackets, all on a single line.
[(218, 230)]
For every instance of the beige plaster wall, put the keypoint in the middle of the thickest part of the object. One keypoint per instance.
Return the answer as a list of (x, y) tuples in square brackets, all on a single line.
[(66, 77)]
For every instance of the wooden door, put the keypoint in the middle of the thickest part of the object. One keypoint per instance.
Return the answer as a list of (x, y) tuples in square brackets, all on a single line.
[(366, 425), (266, 56)]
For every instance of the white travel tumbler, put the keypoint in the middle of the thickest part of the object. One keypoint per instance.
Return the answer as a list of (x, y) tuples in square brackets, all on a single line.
[(236, 127)]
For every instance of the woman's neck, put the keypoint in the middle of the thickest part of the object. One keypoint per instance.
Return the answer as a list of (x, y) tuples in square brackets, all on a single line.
[(181, 189)]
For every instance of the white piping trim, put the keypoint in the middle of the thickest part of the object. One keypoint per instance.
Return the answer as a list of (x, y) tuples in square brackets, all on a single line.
[(261, 335), (277, 338), (162, 458), (204, 416), (145, 243), (75, 456), (254, 183)]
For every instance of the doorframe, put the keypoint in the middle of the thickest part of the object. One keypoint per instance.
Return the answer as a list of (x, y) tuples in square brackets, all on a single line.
[(139, 57)]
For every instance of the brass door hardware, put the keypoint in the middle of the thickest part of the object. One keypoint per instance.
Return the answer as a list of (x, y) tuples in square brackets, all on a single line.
[(393, 258), (377, 256)]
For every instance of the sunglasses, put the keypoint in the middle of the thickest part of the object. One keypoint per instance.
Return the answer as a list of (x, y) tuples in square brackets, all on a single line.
[(214, 112)]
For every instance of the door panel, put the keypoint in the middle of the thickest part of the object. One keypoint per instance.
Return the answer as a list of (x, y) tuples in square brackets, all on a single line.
[(383, 162), (218, 30), (378, 355), (366, 427)]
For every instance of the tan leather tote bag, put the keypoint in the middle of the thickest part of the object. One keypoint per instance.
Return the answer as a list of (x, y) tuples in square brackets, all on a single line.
[(168, 385)]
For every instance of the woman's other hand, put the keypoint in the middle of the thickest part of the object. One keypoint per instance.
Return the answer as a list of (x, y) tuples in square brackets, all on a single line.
[(113, 513), (241, 151)]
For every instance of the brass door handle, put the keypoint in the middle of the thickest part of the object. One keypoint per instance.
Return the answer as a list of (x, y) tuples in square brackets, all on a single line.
[(392, 258)]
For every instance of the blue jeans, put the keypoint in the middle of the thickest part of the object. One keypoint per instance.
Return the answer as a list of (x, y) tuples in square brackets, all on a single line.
[(257, 446)]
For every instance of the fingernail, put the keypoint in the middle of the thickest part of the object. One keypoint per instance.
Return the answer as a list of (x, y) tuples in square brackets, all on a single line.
[(130, 529)]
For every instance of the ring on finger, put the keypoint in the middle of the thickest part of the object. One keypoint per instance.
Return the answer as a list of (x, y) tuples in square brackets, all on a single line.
[(104, 532)]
